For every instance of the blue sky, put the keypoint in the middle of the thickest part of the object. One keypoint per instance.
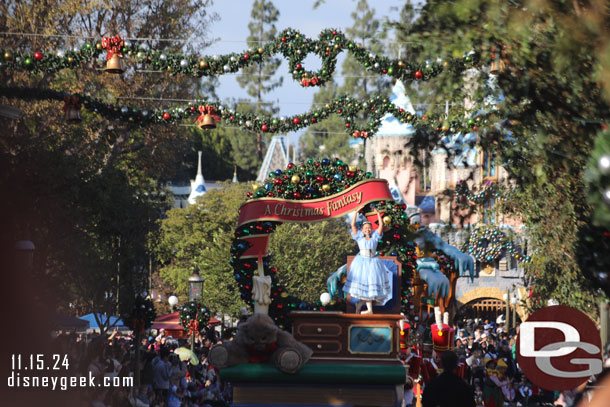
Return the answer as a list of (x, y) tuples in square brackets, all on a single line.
[(232, 30)]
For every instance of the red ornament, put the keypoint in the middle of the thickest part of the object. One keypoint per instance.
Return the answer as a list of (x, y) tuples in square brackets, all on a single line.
[(347, 125), (313, 120), (265, 128), (475, 128), (290, 166), (283, 39), (356, 134), (297, 195), (166, 116), (38, 55), (296, 120), (418, 74), (299, 67), (193, 108), (305, 82), (246, 56), (320, 179)]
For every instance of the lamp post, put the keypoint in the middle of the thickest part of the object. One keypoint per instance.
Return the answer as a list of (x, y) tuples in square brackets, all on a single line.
[(173, 301), (195, 293), (506, 298), (514, 301)]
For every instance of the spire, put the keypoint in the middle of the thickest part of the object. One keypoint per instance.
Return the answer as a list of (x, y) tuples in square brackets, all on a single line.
[(235, 180), (198, 187)]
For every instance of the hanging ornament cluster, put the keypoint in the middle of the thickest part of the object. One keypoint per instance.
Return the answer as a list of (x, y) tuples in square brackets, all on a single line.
[(291, 44), (208, 114), (310, 180), (487, 243), (464, 197), (194, 316), (141, 316)]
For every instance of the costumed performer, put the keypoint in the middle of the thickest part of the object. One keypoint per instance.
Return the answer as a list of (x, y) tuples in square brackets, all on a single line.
[(368, 278)]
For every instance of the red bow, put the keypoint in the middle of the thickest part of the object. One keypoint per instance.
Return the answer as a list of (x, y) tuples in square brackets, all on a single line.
[(114, 45), (71, 101), (193, 326), (257, 356), (208, 109)]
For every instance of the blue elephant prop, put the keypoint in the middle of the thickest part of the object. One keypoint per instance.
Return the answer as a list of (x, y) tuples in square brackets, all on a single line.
[(429, 271)]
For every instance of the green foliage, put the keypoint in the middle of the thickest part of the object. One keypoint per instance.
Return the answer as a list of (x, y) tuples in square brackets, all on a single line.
[(548, 54), (598, 182), (200, 235), (304, 263)]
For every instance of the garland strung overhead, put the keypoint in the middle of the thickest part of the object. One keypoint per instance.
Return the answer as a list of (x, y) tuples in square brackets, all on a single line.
[(293, 45), (464, 195), (346, 107)]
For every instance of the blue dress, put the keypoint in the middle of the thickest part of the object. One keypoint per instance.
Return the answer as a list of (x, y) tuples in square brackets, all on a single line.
[(368, 278)]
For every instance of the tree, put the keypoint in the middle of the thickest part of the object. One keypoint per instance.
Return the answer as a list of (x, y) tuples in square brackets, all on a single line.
[(89, 195), (550, 57), (304, 263), (258, 80)]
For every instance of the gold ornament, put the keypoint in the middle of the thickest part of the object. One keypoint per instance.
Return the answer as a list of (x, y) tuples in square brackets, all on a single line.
[(387, 220), (325, 187), (255, 187), (203, 64), (445, 64), (114, 65), (7, 55), (352, 168), (260, 50), (98, 45), (284, 295), (295, 179), (401, 64), (70, 60)]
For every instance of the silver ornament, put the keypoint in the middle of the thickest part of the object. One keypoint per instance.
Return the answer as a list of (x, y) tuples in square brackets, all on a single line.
[(233, 59), (226, 68), (144, 113), (162, 57), (215, 57), (61, 53), (140, 55), (376, 65), (124, 110), (184, 63), (127, 44), (604, 164), (248, 123)]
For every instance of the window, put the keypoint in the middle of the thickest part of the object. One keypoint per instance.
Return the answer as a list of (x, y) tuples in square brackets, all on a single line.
[(489, 165), (489, 212), (424, 178)]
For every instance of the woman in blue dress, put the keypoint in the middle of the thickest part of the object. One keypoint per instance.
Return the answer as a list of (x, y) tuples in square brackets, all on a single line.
[(368, 279)]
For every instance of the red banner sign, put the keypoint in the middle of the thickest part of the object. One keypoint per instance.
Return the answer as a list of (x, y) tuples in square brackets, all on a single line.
[(315, 210), (284, 210)]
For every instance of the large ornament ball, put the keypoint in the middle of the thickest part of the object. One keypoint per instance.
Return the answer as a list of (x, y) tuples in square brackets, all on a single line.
[(162, 57), (604, 164), (418, 74), (295, 179), (325, 298), (38, 55), (166, 116), (337, 177), (352, 168), (325, 187), (255, 187), (203, 64), (184, 63), (387, 220), (325, 161)]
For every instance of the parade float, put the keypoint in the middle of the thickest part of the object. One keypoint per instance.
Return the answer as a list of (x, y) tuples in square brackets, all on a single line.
[(355, 358)]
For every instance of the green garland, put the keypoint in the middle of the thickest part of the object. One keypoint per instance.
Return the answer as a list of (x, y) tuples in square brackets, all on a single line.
[(346, 107), (303, 182), (141, 315), (293, 45), (464, 196), (194, 316)]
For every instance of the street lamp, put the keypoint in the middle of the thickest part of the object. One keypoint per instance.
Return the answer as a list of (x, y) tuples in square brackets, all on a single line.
[(514, 301), (173, 301), (195, 285)]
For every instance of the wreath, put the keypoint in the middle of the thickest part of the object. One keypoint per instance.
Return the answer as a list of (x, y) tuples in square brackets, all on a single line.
[(194, 316), (141, 316), (312, 180), (485, 244)]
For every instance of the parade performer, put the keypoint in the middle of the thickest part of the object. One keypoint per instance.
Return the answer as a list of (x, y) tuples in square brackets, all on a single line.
[(368, 279)]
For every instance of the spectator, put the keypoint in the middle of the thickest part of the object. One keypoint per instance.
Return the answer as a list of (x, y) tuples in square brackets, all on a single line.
[(447, 389), (162, 374)]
